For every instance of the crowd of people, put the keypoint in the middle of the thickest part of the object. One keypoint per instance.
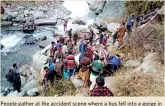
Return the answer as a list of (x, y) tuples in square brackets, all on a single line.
[(91, 67), (93, 62)]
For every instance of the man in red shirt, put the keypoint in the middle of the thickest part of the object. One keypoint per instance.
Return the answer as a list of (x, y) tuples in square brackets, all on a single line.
[(70, 64), (100, 90)]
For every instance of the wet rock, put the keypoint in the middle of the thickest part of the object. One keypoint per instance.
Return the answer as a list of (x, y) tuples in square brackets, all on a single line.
[(79, 22), (30, 85), (23, 80), (132, 63), (45, 43), (6, 23), (77, 82), (40, 22), (29, 42)]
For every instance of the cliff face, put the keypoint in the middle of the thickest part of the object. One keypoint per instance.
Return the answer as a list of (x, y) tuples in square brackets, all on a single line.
[(106, 9)]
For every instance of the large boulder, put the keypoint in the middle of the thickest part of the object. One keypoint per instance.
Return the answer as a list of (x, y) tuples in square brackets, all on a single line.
[(149, 63), (34, 71), (34, 91), (100, 24), (132, 63), (23, 80), (79, 22), (13, 94), (5, 17), (24, 68), (30, 85), (96, 6), (6, 23), (76, 82), (39, 59)]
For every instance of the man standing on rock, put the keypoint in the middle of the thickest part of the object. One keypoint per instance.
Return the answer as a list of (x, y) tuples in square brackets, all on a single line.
[(65, 25), (121, 34)]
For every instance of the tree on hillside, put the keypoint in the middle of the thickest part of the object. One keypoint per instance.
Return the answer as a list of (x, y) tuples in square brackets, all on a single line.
[(142, 7)]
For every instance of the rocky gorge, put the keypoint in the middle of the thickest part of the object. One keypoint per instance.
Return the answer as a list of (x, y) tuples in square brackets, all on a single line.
[(51, 12)]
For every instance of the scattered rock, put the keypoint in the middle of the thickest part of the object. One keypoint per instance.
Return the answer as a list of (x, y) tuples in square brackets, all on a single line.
[(30, 85), (77, 82), (79, 22), (23, 80), (132, 63)]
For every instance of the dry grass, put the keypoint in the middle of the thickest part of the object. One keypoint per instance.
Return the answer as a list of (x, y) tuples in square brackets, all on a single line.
[(63, 87), (129, 83)]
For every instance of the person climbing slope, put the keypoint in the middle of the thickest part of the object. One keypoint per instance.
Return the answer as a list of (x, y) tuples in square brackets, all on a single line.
[(121, 34)]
